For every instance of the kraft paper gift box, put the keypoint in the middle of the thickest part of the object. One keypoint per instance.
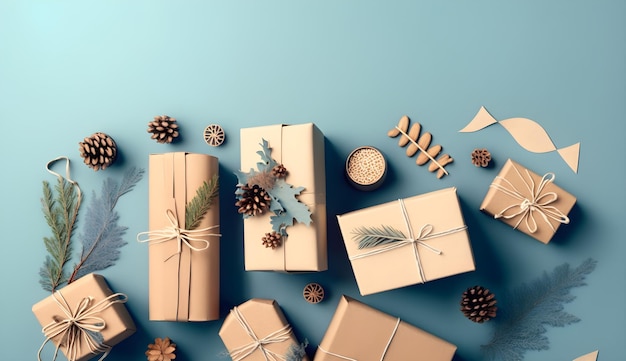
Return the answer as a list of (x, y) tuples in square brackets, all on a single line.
[(528, 202), (183, 270), (257, 330), (434, 241), (360, 332), (93, 305), (300, 148)]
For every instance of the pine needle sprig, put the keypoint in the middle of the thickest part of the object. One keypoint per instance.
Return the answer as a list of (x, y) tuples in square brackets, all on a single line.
[(60, 213), (102, 236), (525, 313), (368, 237), (201, 202)]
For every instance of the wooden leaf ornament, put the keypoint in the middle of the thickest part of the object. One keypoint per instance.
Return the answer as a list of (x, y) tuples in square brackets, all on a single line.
[(420, 145)]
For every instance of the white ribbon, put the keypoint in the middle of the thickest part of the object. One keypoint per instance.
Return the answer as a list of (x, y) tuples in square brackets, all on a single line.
[(67, 175), (532, 200), (425, 233), (79, 326), (382, 356), (240, 353), (181, 235)]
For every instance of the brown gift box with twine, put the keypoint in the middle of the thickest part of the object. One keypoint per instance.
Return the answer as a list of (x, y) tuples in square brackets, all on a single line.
[(434, 242), (360, 332), (183, 268), (90, 303), (257, 330), (528, 202), (300, 148)]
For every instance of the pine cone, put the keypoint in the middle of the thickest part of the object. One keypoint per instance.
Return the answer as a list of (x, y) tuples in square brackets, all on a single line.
[(481, 157), (161, 350), (272, 240), (279, 171), (163, 128), (98, 151), (478, 304), (254, 200)]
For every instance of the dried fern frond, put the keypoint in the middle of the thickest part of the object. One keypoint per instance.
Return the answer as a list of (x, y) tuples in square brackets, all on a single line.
[(201, 202), (420, 144), (368, 237)]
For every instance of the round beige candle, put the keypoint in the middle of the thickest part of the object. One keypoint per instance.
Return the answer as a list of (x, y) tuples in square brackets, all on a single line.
[(366, 168)]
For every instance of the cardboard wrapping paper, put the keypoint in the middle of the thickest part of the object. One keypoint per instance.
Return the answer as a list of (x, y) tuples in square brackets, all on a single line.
[(528, 202), (257, 320), (358, 332), (118, 324), (183, 283), (300, 148), (442, 247)]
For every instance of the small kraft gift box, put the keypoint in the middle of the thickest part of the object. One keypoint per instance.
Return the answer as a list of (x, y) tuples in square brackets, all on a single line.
[(528, 202), (84, 319), (408, 241), (257, 330), (283, 168), (360, 332), (183, 242)]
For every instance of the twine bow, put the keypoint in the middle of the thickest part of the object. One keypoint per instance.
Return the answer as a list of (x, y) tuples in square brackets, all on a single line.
[(181, 235), (425, 233), (278, 336), (79, 327), (382, 356), (533, 200)]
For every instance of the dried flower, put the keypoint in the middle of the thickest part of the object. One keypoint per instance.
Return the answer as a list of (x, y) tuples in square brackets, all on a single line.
[(481, 157), (161, 350)]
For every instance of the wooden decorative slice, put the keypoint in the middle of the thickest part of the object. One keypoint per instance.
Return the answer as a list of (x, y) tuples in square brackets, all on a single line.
[(313, 293), (214, 135)]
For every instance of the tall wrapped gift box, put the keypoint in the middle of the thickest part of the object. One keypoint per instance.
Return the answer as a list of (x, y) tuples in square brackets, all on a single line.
[(409, 241), (360, 332), (184, 264), (257, 330), (300, 148), (84, 318), (528, 202)]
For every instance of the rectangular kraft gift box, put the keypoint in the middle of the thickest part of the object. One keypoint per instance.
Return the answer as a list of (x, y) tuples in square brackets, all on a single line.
[(119, 324), (300, 148), (516, 190), (265, 319), (183, 282), (360, 332), (442, 246)]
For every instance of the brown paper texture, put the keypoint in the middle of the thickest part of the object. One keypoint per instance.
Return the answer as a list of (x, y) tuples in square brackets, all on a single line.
[(264, 318), (182, 286), (495, 200), (399, 267), (119, 324), (360, 332), (300, 148)]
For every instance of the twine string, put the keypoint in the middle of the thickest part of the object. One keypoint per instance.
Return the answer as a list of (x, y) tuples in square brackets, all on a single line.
[(67, 177), (281, 335), (79, 327)]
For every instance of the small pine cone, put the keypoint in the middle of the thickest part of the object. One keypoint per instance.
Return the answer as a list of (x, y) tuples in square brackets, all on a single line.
[(272, 240), (279, 171), (161, 350), (98, 151), (478, 304), (163, 128), (481, 157), (254, 200)]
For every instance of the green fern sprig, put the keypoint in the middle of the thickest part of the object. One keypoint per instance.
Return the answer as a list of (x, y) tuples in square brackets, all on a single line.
[(201, 202), (368, 237), (60, 213)]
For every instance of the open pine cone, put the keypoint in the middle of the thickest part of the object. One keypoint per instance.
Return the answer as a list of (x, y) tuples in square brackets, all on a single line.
[(163, 129), (279, 171), (161, 350), (478, 304), (254, 200), (98, 151), (272, 240)]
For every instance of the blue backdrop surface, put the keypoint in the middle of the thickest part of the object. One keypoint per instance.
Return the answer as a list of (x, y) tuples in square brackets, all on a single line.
[(71, 68)]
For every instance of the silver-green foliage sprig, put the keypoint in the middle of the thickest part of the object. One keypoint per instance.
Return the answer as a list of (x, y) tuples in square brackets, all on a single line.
[(367, 237)]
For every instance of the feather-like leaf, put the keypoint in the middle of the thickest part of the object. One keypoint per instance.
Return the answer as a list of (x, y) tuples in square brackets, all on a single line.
[(296, 352), (201, 202), (284, 195), (368, 237), (526, 311), (102, 236)]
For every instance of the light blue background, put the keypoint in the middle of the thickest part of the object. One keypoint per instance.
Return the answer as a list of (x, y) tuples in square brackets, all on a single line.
[(70, 68)]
